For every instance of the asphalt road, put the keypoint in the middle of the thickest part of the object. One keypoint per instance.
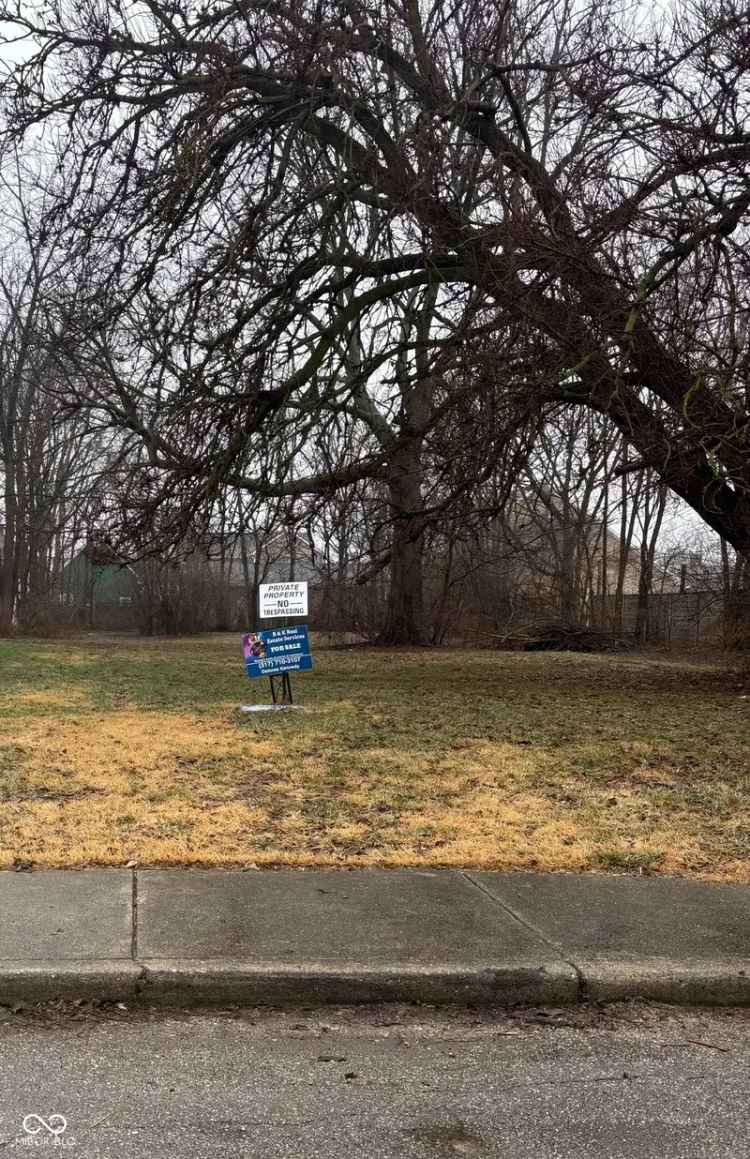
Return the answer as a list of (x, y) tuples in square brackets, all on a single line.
[(633, 1081)]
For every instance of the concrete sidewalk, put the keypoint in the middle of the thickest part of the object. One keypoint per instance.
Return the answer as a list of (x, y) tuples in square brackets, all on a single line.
[(195, 937)]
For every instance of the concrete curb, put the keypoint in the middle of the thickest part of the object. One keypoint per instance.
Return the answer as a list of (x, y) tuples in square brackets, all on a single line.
[(222, 982), (203, 983), (106, 981), (185, 984), (687, 983)]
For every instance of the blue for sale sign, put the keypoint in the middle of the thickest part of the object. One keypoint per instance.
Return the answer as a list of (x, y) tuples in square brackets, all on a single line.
[(277, 650)]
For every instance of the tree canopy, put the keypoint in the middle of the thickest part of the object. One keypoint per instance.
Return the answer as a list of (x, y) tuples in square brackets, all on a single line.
[(279, 211)]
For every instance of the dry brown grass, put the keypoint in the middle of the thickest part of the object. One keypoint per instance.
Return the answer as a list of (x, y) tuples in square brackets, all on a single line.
[(135, 751)]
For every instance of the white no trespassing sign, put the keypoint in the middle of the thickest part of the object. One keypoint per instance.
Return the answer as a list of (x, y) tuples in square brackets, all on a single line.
[(288, 599)]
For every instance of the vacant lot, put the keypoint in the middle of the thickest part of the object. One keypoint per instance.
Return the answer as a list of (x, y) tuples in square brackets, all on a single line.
[(120, 750)]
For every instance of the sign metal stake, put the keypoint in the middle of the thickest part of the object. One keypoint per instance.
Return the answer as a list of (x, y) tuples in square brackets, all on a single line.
[(281, 689)]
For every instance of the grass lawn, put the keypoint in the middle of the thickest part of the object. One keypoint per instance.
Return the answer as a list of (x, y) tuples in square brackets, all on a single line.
[(122, 749)]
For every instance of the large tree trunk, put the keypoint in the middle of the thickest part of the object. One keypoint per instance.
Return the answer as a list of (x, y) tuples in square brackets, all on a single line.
[(405, 616), (737, 607)]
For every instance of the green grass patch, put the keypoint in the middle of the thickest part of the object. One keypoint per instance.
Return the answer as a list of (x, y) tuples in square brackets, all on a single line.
[(122, 749)]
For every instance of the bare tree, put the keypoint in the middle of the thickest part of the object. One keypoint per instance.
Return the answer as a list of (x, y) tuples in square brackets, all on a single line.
[(48, 462)]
